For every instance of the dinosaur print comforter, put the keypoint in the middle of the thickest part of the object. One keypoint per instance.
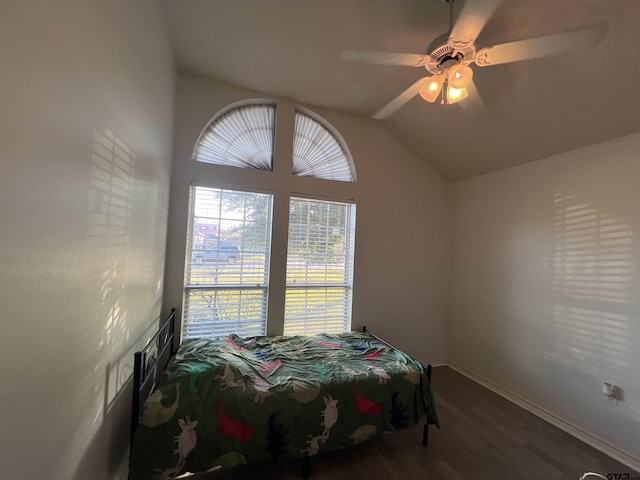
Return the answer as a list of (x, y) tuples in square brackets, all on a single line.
[(227, 401)]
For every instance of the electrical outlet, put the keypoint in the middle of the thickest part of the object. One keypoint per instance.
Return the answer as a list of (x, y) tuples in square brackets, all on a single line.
[(608, 390), (613, 393)]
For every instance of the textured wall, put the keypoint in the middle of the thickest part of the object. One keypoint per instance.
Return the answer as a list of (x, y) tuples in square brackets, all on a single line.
[(546, 282), (86, 104)]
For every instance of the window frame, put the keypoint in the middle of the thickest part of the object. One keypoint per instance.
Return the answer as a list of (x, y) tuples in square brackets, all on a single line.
[(188, 265), (347, 285)]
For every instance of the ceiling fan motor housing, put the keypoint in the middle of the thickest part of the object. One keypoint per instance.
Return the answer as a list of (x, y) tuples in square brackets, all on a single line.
[(444, 56)]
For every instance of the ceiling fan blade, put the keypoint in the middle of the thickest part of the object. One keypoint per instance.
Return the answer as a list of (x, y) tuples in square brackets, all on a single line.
[(383, 58), (471, 20), (401, 99), (541, 46), (474, 102)]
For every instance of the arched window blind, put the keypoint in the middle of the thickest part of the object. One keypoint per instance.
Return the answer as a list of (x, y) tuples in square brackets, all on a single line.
[(317, 153), (241, 137)]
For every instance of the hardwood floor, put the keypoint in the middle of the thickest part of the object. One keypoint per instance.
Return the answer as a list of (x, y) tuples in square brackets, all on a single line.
[(483, 436)]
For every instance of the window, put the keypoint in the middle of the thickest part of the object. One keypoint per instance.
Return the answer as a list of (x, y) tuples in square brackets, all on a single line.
[(319, 267), (227, 263), (227, 286)]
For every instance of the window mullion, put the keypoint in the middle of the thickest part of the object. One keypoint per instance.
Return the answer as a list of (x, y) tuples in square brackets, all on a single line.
[(280, 228)]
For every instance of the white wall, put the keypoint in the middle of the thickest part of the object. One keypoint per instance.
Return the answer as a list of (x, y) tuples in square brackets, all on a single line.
[(86, 99), (402, 231), (546, 285)]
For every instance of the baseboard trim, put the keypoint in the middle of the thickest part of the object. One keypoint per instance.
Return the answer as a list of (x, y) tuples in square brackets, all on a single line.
[(596, 442), (436, 362)]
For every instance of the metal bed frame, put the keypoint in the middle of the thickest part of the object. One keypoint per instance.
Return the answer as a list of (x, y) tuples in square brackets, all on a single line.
[(425, 429), (149, 364), (152, 360)]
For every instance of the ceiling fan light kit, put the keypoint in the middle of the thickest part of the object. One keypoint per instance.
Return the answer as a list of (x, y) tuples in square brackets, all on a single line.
[(460, 75), (449, 57), (454, 95), (456, 78), (432, 88), (450, 69)]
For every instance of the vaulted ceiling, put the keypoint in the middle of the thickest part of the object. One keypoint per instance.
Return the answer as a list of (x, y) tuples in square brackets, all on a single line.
[(532, 109)]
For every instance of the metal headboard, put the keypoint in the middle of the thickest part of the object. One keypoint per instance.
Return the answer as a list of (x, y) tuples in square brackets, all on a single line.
[(149, 363)]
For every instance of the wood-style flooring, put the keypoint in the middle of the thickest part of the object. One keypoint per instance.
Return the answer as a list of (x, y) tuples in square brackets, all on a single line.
[(482, 436)]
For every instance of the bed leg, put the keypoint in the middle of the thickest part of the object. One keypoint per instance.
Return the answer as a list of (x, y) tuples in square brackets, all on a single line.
[(425, 429), (306, 467)]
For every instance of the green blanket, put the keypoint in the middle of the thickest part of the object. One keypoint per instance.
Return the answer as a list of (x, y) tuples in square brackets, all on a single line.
[(227, 401)]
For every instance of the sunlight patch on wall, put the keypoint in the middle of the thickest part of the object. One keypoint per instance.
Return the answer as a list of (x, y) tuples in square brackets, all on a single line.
[(593, 272), (109, 244)]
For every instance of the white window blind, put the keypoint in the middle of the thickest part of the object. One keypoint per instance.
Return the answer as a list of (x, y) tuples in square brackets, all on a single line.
[(319, 267), (227, 263), (317, 153), (241, 137)]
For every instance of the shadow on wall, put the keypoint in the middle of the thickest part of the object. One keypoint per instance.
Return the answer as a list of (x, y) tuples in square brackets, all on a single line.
[(103, 400), (109, 243), (110, 444), (593, 274)]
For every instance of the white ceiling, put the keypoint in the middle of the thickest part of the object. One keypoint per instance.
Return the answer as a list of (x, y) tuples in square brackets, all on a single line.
[(534, 109)]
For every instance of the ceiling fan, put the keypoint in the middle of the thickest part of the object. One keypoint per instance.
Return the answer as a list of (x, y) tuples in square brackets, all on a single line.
[(450, 56)]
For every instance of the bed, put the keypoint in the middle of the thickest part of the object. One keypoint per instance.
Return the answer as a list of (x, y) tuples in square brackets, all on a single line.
[(228, 401)]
